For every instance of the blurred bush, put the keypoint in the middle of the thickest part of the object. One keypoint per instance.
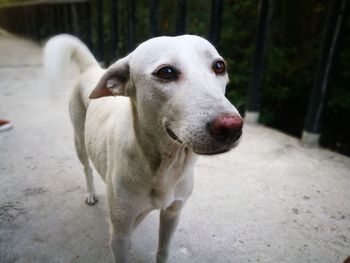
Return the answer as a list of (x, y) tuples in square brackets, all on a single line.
[(295, 38)]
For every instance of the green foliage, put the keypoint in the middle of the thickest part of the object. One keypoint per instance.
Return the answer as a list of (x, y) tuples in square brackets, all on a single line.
[(237, 46), (292, 54), (295, 37)]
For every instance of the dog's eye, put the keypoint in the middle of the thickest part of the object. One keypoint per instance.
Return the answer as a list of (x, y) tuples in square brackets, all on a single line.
[(219, 67), (167, 73)]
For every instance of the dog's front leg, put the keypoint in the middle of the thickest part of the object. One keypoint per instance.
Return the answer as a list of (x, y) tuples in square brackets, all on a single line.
[(120, 247), (121, 226), (169, 219)]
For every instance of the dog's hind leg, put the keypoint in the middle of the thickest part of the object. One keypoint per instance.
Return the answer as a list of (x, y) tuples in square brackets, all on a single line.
[(91, 197), (77, 112)]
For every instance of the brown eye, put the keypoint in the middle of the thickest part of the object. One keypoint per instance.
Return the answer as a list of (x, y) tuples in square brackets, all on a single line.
[(219, 67), (167, 73)]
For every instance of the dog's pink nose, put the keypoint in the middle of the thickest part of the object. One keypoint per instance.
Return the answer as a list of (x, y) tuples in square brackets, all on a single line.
[(226, 128)]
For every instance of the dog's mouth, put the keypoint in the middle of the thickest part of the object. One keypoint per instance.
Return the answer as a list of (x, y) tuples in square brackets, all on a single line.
[(212, 152), (205, 151), (216, 151), (173, 135)]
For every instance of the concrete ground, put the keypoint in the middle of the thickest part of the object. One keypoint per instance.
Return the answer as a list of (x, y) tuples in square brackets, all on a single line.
[(269, 200)]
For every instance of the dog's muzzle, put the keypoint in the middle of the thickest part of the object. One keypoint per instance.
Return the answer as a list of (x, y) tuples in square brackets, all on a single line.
[(223, 134)]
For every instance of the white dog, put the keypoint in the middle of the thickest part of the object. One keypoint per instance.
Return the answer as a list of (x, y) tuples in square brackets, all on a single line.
[(169, 107)]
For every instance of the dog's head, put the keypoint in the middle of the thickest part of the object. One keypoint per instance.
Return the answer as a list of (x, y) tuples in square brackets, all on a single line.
[(177, 85)]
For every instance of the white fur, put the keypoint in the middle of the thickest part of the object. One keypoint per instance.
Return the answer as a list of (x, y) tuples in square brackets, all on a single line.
[(126, 137), (62, 49)]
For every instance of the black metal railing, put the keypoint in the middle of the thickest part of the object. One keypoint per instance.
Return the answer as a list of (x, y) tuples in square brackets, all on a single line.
[(41, 19)]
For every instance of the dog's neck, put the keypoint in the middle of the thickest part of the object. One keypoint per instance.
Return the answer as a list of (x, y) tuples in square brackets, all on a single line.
[(157, 150)]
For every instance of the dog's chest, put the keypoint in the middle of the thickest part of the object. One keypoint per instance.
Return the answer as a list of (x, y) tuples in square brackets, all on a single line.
[(165, 183)]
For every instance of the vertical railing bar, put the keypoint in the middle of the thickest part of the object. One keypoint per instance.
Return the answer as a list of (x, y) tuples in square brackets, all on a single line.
[(66, 18), (81, 21), (63, 18), (74, 16), (215, 21), (181, 9), (41, 16), (131, 24), (114, 17), (254, 92), (336, 23), (33, 22), (153, 29), (87, 19), (52, 26), (48, 19), (15, 23), (100, 35), (57, 26), (38, 21)]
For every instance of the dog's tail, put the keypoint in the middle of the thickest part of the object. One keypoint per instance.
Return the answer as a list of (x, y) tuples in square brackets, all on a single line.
[(60, 50)]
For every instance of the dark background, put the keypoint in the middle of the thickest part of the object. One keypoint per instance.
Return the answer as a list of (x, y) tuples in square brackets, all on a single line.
[(294, 42)]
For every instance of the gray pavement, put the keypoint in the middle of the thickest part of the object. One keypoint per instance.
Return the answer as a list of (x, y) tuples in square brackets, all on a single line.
[(269, 200)]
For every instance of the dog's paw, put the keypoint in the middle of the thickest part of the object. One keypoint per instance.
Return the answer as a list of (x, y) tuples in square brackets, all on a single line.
[(91, 199)]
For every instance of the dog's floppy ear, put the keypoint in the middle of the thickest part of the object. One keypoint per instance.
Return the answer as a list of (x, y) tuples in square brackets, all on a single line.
[(113, 82)]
